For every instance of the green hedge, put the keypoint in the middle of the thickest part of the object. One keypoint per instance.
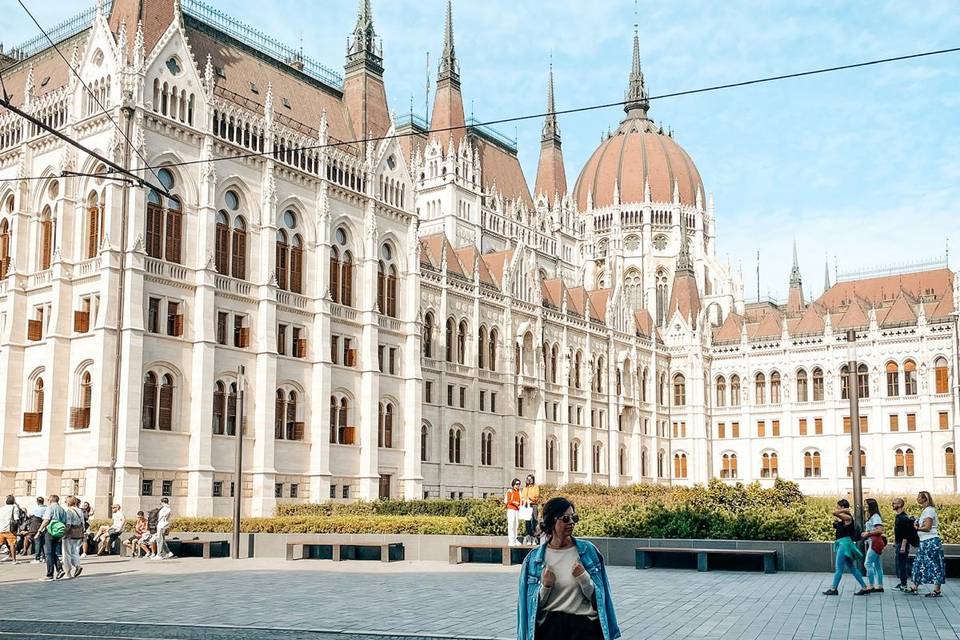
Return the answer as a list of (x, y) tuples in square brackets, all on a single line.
[(422, 525), (448, 508)]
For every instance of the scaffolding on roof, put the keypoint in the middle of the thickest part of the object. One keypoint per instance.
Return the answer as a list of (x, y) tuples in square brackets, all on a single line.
[(893, 269)]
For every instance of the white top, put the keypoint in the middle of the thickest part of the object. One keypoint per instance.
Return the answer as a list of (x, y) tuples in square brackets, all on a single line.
[(931, 513), (163, 517), (568, 594), (118, 521), (7, 513), (872, 523)]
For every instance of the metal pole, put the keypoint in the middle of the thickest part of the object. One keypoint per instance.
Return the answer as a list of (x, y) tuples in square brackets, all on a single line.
[(853, 393), (238, 467)]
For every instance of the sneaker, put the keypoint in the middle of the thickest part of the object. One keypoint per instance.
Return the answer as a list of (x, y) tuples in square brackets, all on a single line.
[(877, 589), (83, 555), (47, 579), (60, 574), (170, 554), (76, 574), (36, 561), (862, 592), (831, 592)]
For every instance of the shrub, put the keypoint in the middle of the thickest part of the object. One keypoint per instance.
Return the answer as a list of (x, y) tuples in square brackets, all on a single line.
[(448, 508), (422, 525), (487, 518)]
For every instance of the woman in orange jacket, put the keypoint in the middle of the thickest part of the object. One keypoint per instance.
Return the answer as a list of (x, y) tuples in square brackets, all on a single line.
[(512, 501)]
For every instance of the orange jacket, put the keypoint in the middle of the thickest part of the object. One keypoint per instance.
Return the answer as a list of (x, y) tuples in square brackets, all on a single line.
[(512, 499)]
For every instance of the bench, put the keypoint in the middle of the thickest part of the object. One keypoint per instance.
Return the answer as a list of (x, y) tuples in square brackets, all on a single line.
[(645, 556), (197, 548), (488, 553), (337, 551)]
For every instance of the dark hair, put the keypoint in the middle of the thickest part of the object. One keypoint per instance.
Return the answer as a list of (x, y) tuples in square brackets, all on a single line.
[(531, 478), (929, 498), (165, 500), (11, 499), (39, 499), (872, 506), (139, 513), (54, 498), (552, 510), (515, 481), (843, 503)]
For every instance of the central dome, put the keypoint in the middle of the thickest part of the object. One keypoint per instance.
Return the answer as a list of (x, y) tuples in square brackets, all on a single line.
[(638, 154)]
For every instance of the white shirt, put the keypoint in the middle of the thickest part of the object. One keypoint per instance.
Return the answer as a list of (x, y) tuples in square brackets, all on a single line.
[(6, 515), (931, 513), (872, 523), (118, 521), (568, 594), (163, 518)]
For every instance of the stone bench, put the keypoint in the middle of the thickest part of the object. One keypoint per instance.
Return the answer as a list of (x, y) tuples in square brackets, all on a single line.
[(337, 551), (469, 553), (645, 556), (197, 548)]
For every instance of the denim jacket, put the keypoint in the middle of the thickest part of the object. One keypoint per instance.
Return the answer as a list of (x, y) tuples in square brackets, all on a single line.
[(529, 596)]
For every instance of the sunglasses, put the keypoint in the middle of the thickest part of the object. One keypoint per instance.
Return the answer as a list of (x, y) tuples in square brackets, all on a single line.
[(574, 519)]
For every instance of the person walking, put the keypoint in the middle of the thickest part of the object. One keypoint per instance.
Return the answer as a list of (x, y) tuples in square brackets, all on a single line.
[(10, 517), (87, 540), (512, 501), (564, 590), (529, 499), (54, 526), (846, 553), (163, 528), (876, 541), (905, 536), (39, 512), (928, 565), (74, 538)]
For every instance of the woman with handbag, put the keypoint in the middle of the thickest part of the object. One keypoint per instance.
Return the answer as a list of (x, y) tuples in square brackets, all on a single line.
[(529, 499), (512, 501), (73, 539), (928, 564), (876, 541)]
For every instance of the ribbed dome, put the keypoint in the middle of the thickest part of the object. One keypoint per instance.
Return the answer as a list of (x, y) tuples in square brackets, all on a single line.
[(638, 153)]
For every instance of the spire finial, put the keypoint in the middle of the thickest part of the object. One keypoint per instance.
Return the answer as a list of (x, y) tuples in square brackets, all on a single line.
[(449, 68), (795, 280), (551, 132), (684, 264), (826, 272), (636, 100), (363, 45)]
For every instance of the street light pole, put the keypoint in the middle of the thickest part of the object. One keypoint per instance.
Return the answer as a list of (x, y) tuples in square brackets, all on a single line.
[(853, 394), (238, 467)]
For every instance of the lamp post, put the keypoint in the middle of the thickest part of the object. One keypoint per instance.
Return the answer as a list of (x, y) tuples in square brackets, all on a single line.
[(853, 394), (238, 467)]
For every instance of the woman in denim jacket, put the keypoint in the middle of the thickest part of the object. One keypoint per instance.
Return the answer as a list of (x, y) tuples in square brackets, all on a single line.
[(564, 591)]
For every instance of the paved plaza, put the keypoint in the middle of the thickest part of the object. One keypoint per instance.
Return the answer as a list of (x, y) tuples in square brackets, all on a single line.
[(256, 599)]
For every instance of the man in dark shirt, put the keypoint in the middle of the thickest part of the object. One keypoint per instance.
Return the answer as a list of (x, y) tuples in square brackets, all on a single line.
[(905, 535)]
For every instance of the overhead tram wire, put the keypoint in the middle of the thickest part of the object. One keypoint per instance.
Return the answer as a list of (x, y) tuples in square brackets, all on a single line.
[(607, 105), (93, 95)]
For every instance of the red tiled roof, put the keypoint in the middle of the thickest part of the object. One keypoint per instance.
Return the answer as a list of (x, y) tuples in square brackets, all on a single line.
[(730, 330), (874, 290)]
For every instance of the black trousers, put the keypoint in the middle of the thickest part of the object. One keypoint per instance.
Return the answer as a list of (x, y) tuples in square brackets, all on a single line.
[(566, 626), (902, 564)]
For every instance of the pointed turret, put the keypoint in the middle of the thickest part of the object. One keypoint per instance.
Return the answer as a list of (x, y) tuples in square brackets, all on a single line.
[(684, 295), (826, 274), (448, 119), (636, 99), (795, 301), (551, 177), (363, 91)]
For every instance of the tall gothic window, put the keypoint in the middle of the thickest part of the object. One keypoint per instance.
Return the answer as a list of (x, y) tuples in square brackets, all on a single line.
[(802, 385), (289, 248), (387, 281), (662, 297)]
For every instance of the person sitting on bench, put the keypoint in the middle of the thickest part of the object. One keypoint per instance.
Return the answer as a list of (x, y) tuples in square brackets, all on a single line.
[(106, 535)]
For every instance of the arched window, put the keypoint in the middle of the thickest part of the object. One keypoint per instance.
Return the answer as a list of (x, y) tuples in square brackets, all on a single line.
[(734, 390), (575, 456), (775, 387), (173, 231), (222, 241), (165, 405), (492, 355), (551, 454), (598, 377), (662, 297), (486, 448), (802, 395), (910, 378), (289, 249), (93, 230), (238, 249), (294, 429), (385, 426), (454, 446), (554, 355), (760, 389), (597, 457), (721, 391), (233, 397), (424, 443), (643, 463), (428, 335), (661, 455), (728, 465), (448, 342), (387, 281), (893, 379), (680, 465), (643, 384), (5, 244), (941, 377), (340, 430), (818, 384), (148, 411), (578, 361), (768, 465), (462, 342), (283, 254), (949, 462), (863, 381), (481, 347), (334, 282), (811, 464), (46, 239), (519, 451), (679, 390), (81, 414), (296, 264), (845, 382), (903, 465), (33, 419), (863, 463), (219, 408)]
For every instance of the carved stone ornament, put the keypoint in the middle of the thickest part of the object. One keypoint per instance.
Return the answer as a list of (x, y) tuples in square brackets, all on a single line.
[(660, 242)]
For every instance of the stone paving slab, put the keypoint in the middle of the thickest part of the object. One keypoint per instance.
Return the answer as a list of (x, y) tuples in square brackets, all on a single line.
[(425, 600)]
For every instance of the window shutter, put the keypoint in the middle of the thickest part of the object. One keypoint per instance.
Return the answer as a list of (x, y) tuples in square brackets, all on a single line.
[(154, 231), (178, 324), (282, 265), (165, 421), (93, 218), (32, 422), (347, 274), (174, 234), (392, 296), (239, 255), (349, 435), (298, 429), (34, 330), (46, 251), (334, 284), (222, 249), (81, 321), (148, 416), (244, 337), (278, 418), (296, 270), (351, 359), (301, 348), (218, 400)]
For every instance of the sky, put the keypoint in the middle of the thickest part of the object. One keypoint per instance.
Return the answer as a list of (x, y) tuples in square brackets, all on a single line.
[(861, 168)]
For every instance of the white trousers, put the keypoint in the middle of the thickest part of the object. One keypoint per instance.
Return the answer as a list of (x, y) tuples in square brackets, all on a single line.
[(513, 522)]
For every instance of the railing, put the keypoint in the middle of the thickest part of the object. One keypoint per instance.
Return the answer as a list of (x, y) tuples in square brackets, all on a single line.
[(87, 267), (492, 134), (414, 119), (41, 278), (290, 299), (261, 42), (389, 324), (163, 269), (232, 285), (430, 363), (343, 313), (58, 33), (463, 370)]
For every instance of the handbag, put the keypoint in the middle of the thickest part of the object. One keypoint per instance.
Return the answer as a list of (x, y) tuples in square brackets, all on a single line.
[(877, 543), (75, 531), (526, 513)]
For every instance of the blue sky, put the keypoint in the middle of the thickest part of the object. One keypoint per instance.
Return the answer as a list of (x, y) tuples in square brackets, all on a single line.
[(862, 165)]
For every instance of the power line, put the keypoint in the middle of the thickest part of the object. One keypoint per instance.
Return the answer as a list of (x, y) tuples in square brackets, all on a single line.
[(96, 99)]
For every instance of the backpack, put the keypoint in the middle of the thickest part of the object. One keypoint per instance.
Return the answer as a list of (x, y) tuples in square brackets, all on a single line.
[(152, 519), (17, 517), (56, 529)]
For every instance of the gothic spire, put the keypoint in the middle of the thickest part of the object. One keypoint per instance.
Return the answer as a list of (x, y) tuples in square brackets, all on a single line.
[(826, 273), (551, 132), (362, 46), (683, 258), (795, 301), (795, 280), (449, 67), (636, 99)]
